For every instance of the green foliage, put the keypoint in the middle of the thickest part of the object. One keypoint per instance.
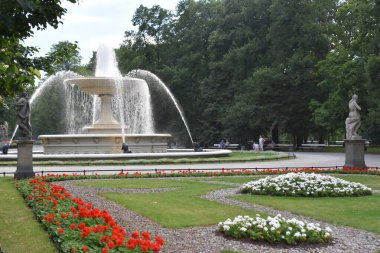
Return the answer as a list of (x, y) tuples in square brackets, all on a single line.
[(246, 68), (17, 19), (63, 56)]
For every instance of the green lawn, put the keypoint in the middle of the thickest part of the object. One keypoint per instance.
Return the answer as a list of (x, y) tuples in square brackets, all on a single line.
[(131, 183), (19, 230), (232, 179), (178, 208), (358, 212), (235, 156)]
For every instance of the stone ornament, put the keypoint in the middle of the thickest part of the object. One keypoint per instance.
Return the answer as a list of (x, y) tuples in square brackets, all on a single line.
[(353, 121), (23, 115)]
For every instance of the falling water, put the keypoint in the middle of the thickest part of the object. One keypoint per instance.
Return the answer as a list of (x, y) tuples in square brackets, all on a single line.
[(77, 102), (146, 75), (132, 98)]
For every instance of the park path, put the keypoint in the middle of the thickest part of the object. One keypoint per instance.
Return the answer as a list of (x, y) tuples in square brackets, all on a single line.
[(303, 159)]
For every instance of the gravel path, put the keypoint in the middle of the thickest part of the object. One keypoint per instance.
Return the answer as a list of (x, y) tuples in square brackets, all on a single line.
[(207, 239)]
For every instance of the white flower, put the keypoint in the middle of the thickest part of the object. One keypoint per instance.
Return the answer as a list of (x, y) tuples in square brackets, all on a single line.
[(226, 227), (243, 229), (297, 234)]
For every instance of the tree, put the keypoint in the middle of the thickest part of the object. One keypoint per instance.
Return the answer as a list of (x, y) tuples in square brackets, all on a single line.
[(352, 67), (153, 25), (63, 56), (17, 21)]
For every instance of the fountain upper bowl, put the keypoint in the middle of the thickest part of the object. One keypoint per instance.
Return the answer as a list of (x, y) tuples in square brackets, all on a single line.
[(101, 85)]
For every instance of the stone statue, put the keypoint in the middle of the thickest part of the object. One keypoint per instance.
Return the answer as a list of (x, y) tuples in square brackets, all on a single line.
[(353, 121), (23, 115), (4, 130)]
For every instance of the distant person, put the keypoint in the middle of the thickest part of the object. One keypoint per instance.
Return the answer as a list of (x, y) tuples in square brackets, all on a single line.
[(4, 149), (255, 147), (222, 144), (261, 143), (227, 143), (197, 147), (125, 148)]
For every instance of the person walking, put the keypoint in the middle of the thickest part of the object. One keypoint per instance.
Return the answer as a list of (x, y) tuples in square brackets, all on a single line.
[(221, 144)]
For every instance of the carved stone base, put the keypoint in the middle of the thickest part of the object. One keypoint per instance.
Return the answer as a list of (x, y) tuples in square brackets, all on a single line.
[(355, 153), (24, 159)]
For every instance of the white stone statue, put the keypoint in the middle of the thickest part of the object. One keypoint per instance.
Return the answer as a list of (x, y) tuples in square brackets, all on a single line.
[(353, 121)]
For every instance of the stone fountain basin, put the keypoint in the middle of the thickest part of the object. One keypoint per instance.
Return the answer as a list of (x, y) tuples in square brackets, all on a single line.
[(101, 85), (103, 143)]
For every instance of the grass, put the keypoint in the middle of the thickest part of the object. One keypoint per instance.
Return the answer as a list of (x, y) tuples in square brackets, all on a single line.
[(19, 230), (132, 183), (178, 208), (231, 179), (358, 212), (235, 156)]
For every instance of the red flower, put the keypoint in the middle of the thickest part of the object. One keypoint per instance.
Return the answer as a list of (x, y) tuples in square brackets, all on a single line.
[(73, 249), (105, 250), (135, 234), (81, 226), (61, 230), (58, 223), (159, 240), (85, 249), (111, 244), (146, 235), (156, 247), (144, 247), (73, 226), (64, 215)]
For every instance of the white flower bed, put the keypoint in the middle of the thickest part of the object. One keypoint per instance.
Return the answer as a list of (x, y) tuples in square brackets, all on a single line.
[(306, 185), (275, 230)]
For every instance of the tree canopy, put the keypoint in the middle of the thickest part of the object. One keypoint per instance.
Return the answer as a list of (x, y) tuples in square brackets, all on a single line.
[(243, 68), (17, 21)]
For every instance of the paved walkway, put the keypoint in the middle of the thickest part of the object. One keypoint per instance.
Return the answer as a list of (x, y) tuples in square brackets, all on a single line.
[(303, 159)]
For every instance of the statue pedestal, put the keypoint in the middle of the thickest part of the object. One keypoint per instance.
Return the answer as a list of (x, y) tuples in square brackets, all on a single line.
[(24, 159), (355, 153)]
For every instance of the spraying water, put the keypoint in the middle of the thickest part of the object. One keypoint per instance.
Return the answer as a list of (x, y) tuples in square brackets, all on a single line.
[(147, 75), (131, 101), (58, 77)]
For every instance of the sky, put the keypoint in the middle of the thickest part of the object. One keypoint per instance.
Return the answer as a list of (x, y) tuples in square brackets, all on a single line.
[(93, 22)]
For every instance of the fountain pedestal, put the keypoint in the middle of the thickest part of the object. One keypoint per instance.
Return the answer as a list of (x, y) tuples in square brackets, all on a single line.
[(24, 159)]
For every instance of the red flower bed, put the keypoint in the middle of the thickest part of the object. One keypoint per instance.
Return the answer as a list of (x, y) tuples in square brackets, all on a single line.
[(77, 226), (221, 172)]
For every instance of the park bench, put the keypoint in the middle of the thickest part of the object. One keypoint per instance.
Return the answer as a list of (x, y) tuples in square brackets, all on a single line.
[(312, 147), (229, 146)]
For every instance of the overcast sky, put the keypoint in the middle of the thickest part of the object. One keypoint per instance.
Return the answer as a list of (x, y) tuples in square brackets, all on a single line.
[(92, 22)]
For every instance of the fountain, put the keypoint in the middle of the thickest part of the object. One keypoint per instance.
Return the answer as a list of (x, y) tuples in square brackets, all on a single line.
[(106, 135)]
